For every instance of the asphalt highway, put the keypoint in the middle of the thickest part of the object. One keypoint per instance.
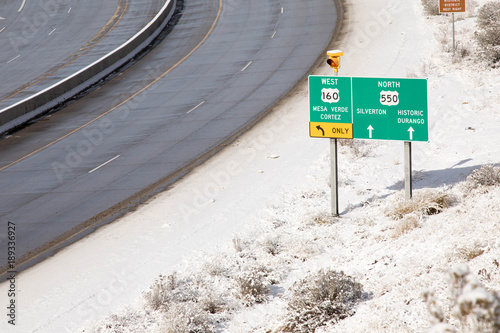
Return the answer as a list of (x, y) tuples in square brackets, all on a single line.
[(223, 65), (44, 41)]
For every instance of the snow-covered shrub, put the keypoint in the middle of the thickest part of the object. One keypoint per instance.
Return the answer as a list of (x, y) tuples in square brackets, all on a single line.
[(216, 265), (475, 308), (462, 50), (238, 244), (212, 303), (252, 286), (128, 321), (160, 292), (488, 35), (272, 245), (470, 252), (487, 175), (324, 218), (423, 203), (168, 290), (358, 148), (437, 315), (327, 296), (408, 223), (431, 7), (190, 302), (186, 317)]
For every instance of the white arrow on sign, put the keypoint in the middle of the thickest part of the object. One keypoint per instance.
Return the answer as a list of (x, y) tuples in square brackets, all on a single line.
[(411, 130), (370, 129)]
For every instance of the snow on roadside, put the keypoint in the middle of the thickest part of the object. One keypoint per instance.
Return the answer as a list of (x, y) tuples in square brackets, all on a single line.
[(263, 204), (396, 261)]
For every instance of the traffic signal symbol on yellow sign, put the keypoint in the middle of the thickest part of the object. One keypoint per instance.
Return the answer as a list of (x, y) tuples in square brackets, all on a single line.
[(330, 130)]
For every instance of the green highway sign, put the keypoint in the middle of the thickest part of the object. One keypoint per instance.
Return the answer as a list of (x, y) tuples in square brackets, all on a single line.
[(330, 99), (368, 108), (330, 102), (390, 109)]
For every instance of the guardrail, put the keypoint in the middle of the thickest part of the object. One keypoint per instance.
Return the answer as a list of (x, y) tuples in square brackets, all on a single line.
[(23, 111)]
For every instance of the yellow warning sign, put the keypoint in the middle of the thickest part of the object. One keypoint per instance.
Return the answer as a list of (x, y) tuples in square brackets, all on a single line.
[(330, 130)]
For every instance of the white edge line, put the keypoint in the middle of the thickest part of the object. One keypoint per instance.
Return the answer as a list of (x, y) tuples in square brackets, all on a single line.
[(246, 66), (274, 34), (100, 166), (11, 60), (197, 106), (22, 6)]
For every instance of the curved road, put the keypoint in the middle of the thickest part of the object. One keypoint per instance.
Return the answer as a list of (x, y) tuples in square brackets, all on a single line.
[(44, 41), (221, 67)]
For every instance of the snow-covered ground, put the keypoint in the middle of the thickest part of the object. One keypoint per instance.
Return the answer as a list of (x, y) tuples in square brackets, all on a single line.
[(262, 205)]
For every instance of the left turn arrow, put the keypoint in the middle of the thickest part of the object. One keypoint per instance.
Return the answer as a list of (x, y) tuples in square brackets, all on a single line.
[(320, 129)]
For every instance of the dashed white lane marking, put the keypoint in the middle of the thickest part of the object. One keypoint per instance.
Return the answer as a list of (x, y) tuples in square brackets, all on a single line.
[(274, 34), (11, 60), (100, 166), (50, 33), (246, 66), (69, 10), (197, 106)]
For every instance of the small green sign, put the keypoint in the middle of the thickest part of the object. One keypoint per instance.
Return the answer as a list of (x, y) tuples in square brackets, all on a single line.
[(390, 109), (330, 99)]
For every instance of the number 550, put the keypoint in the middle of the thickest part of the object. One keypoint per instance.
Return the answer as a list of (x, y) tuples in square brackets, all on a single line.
[(389, 98)]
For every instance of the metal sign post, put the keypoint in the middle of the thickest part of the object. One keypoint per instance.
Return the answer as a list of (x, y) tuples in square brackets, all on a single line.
[(334, 62), (408, 178), (453, 28), (334, 175), (452, 6)]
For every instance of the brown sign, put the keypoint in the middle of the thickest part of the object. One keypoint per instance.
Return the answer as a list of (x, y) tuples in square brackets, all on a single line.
[(451, 6)]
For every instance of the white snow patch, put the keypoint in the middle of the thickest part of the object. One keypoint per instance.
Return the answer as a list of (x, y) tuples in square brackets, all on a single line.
[(247, 208)]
